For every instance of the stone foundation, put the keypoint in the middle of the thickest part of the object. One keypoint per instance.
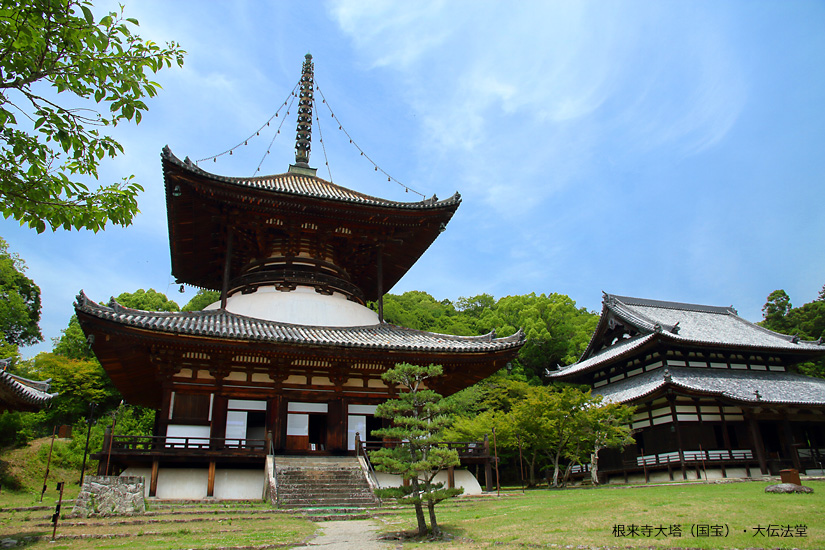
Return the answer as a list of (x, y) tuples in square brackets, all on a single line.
[(110, 496)]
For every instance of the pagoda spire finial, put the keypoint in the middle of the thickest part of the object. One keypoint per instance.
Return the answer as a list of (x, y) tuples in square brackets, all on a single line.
[(303, 139)]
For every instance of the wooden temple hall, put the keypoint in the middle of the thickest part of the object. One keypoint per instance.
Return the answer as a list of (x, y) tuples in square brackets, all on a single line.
[(715, 395), (289, 360)]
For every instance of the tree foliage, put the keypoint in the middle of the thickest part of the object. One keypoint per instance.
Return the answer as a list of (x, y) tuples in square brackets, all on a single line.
[(147, 300), (19, 302), (202, 299), (806, 321), (557, 331), (418, 419), (64, 79), (556, 426)]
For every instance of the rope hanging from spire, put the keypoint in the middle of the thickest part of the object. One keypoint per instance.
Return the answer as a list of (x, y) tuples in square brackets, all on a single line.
[(304, 92)]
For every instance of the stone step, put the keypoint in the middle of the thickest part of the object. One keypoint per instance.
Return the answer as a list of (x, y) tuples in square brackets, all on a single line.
[(304, 503)]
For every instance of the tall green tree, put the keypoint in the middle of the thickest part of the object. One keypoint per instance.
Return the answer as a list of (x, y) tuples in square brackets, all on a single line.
[(19, 302), (557, 331), (603, 425), (418, 419), (72, 343), (806, 321), (65, 79)]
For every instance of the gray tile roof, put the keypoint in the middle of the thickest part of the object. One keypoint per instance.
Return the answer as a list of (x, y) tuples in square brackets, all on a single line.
[(226, 325), (675, 324), (619, 349), (308, 186), (740, 386), (18, 392), (700, 324)]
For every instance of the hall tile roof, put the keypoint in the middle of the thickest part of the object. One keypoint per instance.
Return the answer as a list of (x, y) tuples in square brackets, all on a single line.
[(17, 392), (226, 325), (305, 185), (751, 387), (681, 324), (619, 349)]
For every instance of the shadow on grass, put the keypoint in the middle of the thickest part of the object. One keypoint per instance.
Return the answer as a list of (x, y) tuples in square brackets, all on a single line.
[(7, 481), (448, 533), (25, 539)]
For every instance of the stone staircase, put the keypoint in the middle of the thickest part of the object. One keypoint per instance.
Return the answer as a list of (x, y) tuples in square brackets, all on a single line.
[(318, 482)]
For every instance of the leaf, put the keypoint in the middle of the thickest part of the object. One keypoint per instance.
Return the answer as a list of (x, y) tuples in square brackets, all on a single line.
[(87, 14)]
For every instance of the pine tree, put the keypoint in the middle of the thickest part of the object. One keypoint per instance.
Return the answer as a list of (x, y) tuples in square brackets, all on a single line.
[(418, 418)]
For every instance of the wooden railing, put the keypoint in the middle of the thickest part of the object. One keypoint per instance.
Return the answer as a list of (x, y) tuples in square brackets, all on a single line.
[(146, 444), (466, 449)]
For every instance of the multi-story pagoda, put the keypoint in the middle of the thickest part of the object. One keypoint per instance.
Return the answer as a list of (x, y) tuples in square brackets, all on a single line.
[(715, 395), (290, 359)]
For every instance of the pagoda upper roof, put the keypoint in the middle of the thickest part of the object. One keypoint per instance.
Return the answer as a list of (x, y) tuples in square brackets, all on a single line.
[(202, 207), (224, 325), (629, 325), (18, 393), (303, 185), (748, 387)]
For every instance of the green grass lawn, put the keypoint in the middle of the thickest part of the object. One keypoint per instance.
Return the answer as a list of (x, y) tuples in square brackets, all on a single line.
[(724, 515), (729, 515)]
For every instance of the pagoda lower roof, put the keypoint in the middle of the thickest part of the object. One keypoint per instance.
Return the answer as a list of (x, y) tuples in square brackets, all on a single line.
[(224, 325), (18, 393), (746, 387)]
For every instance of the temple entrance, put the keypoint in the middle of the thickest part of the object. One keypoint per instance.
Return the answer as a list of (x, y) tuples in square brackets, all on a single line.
[(306, 429), (317, 432), (361, 420), (245, 423)]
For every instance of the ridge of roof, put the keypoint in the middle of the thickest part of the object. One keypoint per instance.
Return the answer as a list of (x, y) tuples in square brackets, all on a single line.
[(631, 301), (306, 185), (214, 323)]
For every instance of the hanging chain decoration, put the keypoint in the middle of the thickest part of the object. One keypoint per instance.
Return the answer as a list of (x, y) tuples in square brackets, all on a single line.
[(286, 103), (304, 91), (377, 168), (268, 147), (323, 147)]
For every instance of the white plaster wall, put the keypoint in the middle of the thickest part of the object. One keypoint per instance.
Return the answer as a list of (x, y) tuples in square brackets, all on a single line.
[(302, 306), (463, 478), (191, 483), (239, 484), (663, 477)]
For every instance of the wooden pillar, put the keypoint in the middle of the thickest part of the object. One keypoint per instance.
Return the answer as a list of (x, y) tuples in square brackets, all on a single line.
[(758, 444), (217, 431), (165, 410), (451, 477), (675, 424), (788, 445), (210, 484), (380, 283), (488, 467), (153, 483), (336, 427), (488, 475), (226, 268), (279, 418)]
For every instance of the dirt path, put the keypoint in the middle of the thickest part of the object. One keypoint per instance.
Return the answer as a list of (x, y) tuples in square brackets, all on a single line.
[(346, 535)]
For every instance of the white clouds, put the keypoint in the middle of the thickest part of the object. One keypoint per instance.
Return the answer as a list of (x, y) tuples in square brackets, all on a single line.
[(500, 85)]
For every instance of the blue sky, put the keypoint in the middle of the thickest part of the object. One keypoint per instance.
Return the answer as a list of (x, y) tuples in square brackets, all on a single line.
[(665, 150)]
